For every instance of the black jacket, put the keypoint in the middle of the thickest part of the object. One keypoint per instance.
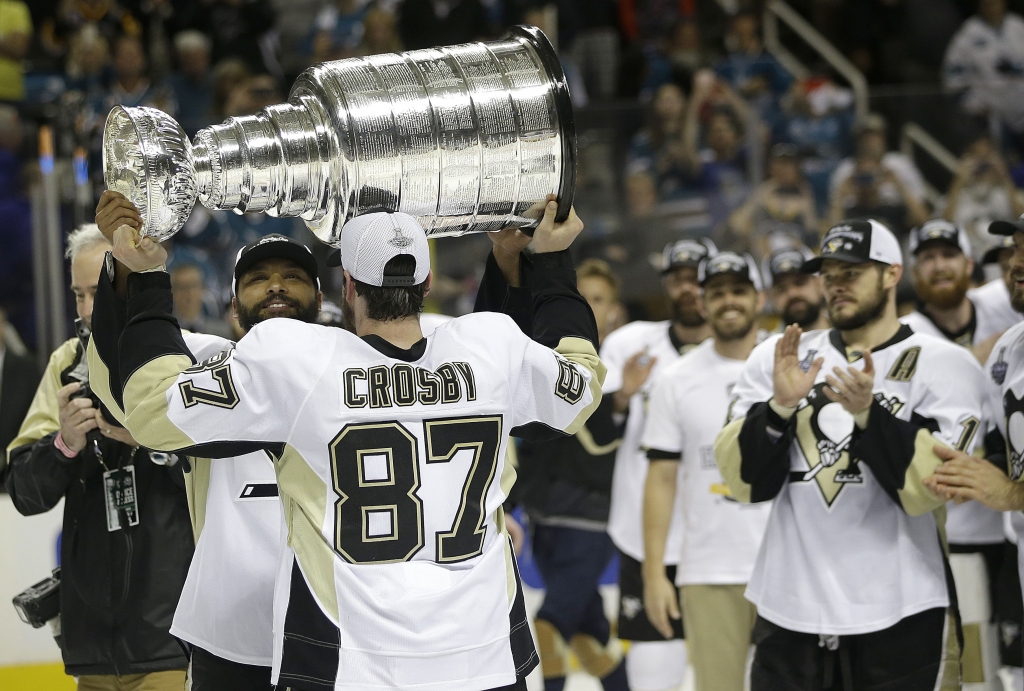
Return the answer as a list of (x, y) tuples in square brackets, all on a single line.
[(19, 378), (118, 589), (568, 480)]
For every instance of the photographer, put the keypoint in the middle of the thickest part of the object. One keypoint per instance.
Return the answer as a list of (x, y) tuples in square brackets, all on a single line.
[(127, 538)]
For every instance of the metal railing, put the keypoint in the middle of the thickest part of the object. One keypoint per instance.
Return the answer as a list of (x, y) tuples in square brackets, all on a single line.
[(776, 11), (913, 135)]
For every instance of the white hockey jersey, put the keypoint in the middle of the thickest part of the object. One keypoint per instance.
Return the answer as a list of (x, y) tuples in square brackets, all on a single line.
[(391, 467), (227, 603), (972, 523), (688, 407), (852, 544), (625, 516), (1005, 373)]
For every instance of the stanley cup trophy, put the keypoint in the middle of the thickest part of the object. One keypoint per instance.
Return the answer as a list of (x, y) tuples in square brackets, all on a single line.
[(466, 138)]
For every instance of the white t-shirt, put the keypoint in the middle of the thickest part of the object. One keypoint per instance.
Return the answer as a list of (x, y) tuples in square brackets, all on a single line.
[(625, 517), (688, 407), (840, 555)]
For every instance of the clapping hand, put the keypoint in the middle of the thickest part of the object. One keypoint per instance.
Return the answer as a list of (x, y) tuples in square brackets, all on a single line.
[(792, 383), (852, 388)]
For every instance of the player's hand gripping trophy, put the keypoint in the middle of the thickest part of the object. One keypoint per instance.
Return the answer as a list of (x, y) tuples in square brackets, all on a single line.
[(466, 138)]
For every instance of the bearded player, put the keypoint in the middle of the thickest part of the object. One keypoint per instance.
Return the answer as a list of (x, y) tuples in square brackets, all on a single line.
[(839, 428), (635, 355)]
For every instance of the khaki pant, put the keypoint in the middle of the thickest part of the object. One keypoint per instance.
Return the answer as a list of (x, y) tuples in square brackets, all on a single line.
[(171, 680), (718, 622)]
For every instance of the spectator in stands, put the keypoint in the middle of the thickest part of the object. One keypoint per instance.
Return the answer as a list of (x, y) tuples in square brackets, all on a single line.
[(253, 94), (783, 205), (687, 52), (192, 84), (818, 118), (130, 86), (720, 166), (338, 30), (16, 288), (122, 571), (227, 75), (380, 33), (982, 192), (15, 36), (641, 194), (870, 134), (188, 283), (429, 23), (589, 38), (19, 378), (865, 194), (237, 28), (88, 65), (660, 149), (749, 68), (984, 65), (67, 17)]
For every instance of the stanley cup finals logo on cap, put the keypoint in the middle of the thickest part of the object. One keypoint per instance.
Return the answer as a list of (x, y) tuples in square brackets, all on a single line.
[(856, 242)]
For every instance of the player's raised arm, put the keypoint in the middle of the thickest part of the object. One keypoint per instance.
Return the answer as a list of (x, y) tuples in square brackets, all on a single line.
[(559, 389), (752, 450), (213, 409)]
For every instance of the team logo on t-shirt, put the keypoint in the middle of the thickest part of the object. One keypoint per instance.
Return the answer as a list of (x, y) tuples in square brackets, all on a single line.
[(824, 433)]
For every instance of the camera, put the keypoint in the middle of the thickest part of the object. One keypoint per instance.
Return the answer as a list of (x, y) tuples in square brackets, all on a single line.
[(40, 603)]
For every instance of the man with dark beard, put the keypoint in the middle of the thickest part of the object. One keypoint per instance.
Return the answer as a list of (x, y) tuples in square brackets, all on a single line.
[(839, 428), (225, 612), (797, 296), (721, 536), (948, 309), (653, 663)]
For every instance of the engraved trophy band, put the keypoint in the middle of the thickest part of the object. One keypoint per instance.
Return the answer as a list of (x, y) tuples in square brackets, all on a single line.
[(465, 138)]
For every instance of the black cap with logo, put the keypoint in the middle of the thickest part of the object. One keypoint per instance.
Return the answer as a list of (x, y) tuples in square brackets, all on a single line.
[(274, 246), (688, 253), (857, 242), (942, 231), (729, 264), (785, 261)]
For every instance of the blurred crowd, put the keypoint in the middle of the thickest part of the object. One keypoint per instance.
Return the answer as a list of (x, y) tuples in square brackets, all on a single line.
[(729, 145)]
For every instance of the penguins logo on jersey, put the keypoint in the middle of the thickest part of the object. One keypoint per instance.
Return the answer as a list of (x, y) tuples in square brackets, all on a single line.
[(1014, 408), (824, 433)]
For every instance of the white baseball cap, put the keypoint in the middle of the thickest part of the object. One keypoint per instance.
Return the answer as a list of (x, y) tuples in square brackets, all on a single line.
[(370, 241)]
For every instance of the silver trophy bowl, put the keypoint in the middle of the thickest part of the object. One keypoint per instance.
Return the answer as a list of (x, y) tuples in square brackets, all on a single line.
[(466, 138)]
